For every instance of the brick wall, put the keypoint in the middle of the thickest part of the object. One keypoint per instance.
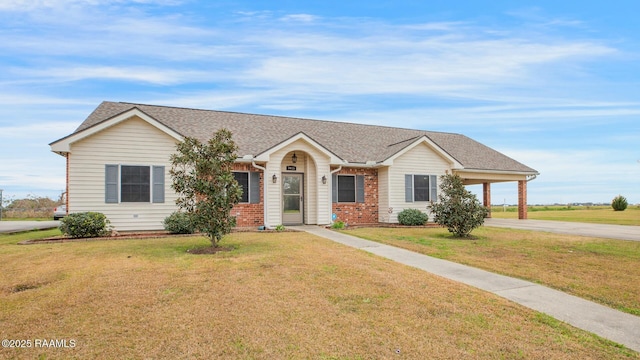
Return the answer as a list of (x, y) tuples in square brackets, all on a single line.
[(360, 213), (249, 215)]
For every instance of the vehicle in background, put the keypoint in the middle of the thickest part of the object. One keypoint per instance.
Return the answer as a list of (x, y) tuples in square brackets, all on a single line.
[(59, 212)]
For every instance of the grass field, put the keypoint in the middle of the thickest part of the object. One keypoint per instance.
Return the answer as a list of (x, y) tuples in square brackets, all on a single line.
[(275, 296), (588, 214), (601, 270)]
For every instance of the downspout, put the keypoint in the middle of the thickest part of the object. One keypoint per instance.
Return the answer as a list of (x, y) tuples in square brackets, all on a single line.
[(264, 191), (331, 192)]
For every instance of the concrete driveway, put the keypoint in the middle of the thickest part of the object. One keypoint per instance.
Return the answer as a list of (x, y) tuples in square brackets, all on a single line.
[(620, 232), (8, 227)]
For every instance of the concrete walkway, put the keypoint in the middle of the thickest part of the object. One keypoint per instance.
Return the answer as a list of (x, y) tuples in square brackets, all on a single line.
[(8, 227), (620, 232), (601, 320)]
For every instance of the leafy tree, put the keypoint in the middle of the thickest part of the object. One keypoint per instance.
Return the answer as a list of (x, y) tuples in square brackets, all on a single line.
[(458, 210), (205, 185)]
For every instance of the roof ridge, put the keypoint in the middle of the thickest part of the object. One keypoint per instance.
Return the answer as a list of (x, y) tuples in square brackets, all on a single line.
[(290, 117)]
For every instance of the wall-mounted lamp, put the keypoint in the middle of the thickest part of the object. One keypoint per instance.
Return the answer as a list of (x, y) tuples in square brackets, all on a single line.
[(324, 179), (294, 158), (274, 178)]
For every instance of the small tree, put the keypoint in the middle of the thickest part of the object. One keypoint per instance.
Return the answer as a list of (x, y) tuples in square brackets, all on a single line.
[(619, 203), (205, 185), (458, 209)]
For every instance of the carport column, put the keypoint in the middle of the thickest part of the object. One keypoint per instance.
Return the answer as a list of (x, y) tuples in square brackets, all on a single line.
[(522, 199), (486, 197)]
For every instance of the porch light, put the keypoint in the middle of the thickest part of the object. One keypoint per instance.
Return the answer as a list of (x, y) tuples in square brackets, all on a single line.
[(294, 158), (274, 178), (324, 179)]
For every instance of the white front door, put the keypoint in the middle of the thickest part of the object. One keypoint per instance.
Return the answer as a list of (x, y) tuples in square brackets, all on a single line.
[(292, 199)]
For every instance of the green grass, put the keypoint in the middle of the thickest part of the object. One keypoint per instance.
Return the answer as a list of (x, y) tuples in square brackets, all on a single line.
[(587, 214), (601, 270), (282, 295)]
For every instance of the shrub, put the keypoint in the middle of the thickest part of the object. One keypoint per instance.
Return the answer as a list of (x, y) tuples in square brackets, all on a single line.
[(338, 224), (458, 209), (619, 203), (280, 227), (412, 217), (179, 223), (85, 224)]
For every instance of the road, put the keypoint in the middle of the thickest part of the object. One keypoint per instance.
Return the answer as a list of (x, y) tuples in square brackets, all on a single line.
[(7, 227), (620, 232)]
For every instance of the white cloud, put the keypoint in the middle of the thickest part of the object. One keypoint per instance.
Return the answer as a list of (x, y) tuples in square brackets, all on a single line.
[(138, 74), (30, 5)]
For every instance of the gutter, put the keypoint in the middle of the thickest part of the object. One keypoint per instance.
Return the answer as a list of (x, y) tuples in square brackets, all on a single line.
[(331, 193), (264, 191)]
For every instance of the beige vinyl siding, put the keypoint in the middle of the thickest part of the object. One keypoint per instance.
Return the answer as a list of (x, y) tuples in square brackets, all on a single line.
[(419, 160), (383, 194), (313, 164), (131, 142)]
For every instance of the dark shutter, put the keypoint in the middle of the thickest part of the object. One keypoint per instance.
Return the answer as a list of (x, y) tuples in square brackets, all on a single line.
[(158, 184), (334, 188), (111, 184), (254, 187), (360, 188), (433, 182), (408, 188)]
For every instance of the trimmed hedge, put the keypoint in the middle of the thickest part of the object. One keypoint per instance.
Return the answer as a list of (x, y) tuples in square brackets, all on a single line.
[(412, 217), (85, 225), (179, 223)]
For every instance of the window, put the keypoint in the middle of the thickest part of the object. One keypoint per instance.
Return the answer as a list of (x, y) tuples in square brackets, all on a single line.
[(135, 184), (138, 184), (420, 187), (250, 184), (348, 188)]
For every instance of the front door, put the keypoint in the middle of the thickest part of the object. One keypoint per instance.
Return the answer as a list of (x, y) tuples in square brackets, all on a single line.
[(292, 198)]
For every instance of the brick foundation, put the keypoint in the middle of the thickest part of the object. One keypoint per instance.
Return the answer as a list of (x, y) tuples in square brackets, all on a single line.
[(360, 213)]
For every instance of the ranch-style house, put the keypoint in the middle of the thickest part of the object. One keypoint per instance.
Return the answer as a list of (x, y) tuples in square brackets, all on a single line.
[(292, 171)]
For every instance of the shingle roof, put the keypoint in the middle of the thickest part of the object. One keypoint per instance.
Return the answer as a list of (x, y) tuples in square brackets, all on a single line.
[(355, 143)]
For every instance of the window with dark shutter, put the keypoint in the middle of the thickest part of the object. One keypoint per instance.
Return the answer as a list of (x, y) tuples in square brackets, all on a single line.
[(420, 188)]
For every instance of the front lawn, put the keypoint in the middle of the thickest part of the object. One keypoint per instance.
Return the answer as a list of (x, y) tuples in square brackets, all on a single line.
[(275, 296), (601, 270)]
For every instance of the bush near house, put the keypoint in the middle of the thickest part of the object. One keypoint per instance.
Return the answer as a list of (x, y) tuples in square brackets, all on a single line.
[(85, 224), (179, 223), (619, 203), (412, 217)]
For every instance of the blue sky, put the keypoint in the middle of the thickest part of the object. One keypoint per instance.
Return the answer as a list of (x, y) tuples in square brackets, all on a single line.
[(553, 84)]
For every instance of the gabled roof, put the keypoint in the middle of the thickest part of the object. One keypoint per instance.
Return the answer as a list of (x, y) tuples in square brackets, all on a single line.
[(354, 143)]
